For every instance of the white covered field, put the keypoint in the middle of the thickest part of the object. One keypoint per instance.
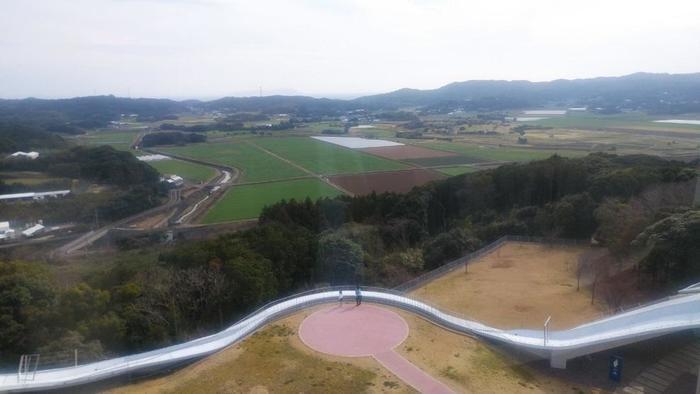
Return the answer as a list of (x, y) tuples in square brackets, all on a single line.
[(356, 142)]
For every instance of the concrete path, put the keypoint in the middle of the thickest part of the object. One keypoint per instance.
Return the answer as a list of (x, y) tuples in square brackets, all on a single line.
[(658, 378), (361, 331), (409, 373)]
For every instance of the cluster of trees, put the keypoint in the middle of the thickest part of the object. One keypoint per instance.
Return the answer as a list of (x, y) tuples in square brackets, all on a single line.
[(560, 197), (383, 239), (16, 136), (675, 247), (134, 186), (171, 138)]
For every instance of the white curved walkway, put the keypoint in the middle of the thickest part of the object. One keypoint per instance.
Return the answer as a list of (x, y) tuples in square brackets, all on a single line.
[(674, 314)]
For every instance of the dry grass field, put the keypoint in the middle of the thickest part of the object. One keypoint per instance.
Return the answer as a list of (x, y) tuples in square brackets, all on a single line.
[(275, 360), (517, 286)]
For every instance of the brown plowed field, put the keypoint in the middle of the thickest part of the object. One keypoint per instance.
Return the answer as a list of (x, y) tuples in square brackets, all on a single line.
[(407, 152), (390, 181)]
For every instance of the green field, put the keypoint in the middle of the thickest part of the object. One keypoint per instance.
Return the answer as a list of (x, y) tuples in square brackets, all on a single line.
[(443, 161), (494, 153), (247, 201), (458, 170), (620, 121), (325, 158), (190, 171), (255, 164), (120, 140)]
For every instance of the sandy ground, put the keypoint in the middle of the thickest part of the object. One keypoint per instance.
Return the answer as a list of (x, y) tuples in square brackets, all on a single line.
[(517, 286)]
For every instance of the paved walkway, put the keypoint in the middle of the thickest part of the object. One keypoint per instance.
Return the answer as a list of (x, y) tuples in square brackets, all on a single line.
[(658, 378), (366, 330)]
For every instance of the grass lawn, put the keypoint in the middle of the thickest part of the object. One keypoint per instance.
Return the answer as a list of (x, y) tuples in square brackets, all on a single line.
[(247, 201), (255, 164), (190, 171), (274, 360), (494, 153), (458, 170), (324, 158)]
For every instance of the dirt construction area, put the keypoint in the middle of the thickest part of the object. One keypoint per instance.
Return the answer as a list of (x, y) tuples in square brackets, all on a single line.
[(407, 152), (517, 286), (379, 182)]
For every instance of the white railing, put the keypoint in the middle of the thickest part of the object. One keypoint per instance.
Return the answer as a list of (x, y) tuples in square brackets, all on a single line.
[(672, 315)]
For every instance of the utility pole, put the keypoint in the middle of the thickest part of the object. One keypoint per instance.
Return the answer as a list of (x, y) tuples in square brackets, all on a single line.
[(75, 356)]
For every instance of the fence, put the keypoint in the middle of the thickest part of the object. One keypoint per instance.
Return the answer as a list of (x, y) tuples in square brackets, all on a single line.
[(460, 262)]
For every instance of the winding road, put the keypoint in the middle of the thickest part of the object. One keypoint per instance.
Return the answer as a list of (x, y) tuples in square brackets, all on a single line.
[(677, 313)]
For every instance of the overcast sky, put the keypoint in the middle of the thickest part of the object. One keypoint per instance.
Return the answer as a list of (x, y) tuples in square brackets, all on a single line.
[(213, 48)]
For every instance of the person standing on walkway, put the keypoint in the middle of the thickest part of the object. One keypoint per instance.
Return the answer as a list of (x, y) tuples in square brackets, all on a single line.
[(340, 297), (358, 296)]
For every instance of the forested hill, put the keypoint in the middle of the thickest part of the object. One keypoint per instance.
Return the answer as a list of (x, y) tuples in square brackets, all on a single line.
[(654, 93), (661, 93)]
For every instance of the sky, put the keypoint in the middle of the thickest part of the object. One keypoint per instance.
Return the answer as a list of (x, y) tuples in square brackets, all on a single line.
[(213, 48)]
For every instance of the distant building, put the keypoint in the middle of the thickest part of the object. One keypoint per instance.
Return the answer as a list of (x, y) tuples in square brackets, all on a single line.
[(174, 181), (34, 230), (33, 195), (25, 155), (6, 232)]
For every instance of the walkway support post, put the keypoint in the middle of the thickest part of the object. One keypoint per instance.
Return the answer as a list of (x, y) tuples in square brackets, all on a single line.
[(546, 329)]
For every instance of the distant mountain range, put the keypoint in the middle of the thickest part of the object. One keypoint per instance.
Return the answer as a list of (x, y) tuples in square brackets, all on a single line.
[(654, 93)]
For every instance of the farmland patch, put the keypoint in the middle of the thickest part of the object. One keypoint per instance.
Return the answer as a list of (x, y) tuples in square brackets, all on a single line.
[(356, 142), (406, 152), (457, 170), (247, 201), (393, 181), (255, 164), (323, 158), (190, 171)]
